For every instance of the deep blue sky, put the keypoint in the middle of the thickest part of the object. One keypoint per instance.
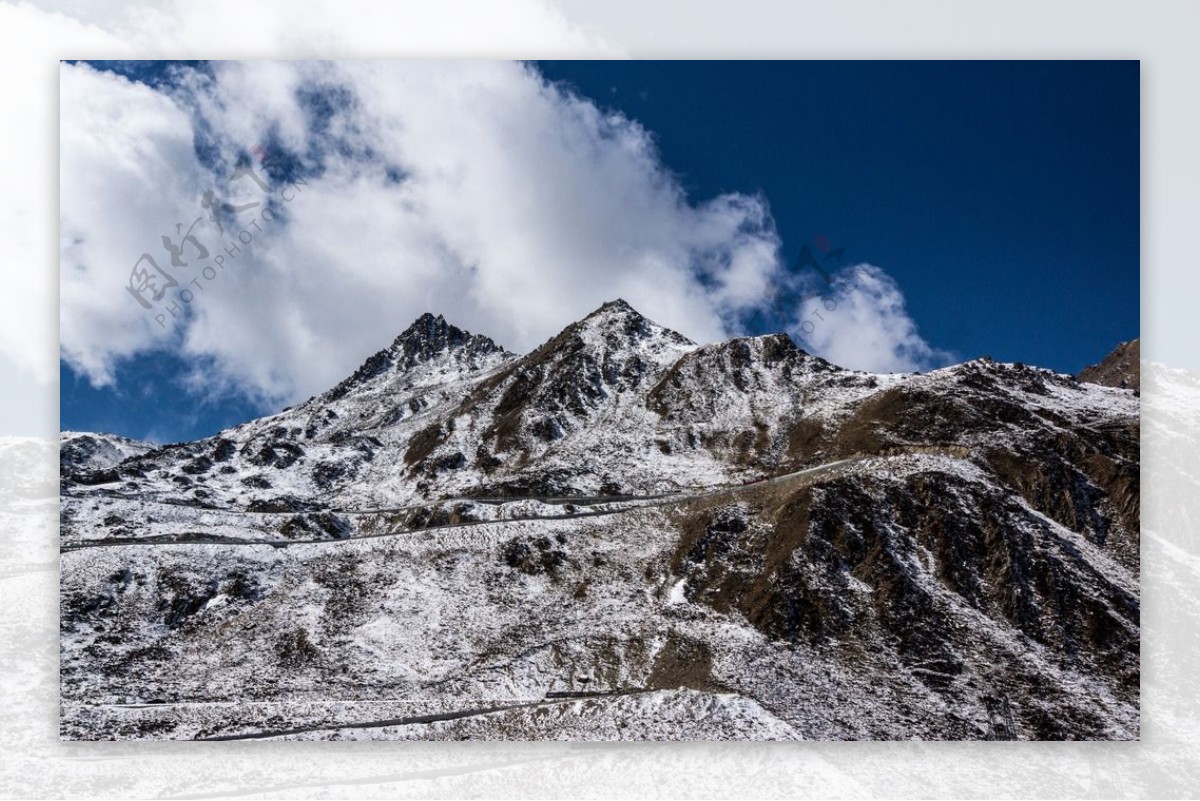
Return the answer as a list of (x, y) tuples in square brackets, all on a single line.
[(1002, 196)]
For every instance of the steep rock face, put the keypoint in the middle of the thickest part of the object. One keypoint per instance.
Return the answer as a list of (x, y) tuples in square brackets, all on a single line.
[(1121, 368), (932, 573), (587, 381), (740, 400), (579, 374), (430, 343), (400, 381), (933, 548)]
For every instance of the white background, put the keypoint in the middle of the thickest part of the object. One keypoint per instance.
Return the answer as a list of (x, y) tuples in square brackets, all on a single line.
[(33, 36)]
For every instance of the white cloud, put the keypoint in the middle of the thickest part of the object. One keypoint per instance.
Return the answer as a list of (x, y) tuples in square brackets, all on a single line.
[(520, 207), (28, 117), (34, 36), (861, 322), (128, 175)]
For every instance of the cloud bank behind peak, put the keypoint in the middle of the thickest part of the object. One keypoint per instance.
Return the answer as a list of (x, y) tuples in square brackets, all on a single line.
[(475, 189)]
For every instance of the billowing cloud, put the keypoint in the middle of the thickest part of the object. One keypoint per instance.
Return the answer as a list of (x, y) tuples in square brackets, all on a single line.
[(34, 36), (128, 173), (28, 113), (475, 189), (860, 321)]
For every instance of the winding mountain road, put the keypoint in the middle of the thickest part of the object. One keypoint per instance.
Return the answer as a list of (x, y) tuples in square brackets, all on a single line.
[(435, 717), (629, 503)]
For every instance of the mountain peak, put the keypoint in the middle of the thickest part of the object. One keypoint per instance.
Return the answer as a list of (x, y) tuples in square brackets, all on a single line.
[(616, 322), (427, 338), (618, 305), (618, 309), (1121, 368), (428, 318), (430, 335)]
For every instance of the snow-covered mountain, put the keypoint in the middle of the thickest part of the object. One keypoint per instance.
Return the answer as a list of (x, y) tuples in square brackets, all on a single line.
[(85, 453), (621, 534)]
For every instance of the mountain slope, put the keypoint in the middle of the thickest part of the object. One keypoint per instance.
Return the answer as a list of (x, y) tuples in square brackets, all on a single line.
[(83, 452), (620, 528), (1121, 368)]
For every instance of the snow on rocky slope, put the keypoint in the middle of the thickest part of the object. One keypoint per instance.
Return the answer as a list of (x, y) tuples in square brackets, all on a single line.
[(84, 452), (458, 541)]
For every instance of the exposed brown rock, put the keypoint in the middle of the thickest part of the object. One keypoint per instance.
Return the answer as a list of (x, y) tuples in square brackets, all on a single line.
[(1121, 368)]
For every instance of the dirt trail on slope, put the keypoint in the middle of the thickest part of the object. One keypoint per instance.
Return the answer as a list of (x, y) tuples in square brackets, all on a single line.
[(634, 502), (554, 699)]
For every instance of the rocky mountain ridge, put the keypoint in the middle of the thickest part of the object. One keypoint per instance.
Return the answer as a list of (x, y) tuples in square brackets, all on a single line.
[(740, 538), (1120, 368)]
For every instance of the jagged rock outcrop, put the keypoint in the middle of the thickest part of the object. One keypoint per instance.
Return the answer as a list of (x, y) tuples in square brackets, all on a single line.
[(1121, 368)]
